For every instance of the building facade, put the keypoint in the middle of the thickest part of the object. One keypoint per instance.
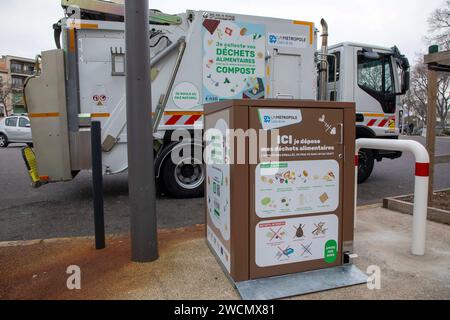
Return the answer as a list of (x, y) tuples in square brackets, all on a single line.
[(3, 82), (13, 73)]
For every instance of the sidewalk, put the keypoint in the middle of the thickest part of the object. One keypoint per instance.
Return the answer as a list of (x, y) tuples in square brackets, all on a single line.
[(187, 270)]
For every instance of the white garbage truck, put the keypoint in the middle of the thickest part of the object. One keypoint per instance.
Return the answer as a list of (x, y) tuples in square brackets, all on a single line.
[(197, 57)]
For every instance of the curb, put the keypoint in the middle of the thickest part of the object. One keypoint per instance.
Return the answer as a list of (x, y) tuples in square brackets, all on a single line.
[(369, 206), (25, 243), (433, 214), (197, 227)]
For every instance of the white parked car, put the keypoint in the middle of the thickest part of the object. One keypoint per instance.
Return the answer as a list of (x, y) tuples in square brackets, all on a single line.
[(15, 129)]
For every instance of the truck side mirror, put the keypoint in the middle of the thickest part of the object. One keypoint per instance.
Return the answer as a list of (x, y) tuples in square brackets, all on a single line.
[(405, 74), (405, 81)]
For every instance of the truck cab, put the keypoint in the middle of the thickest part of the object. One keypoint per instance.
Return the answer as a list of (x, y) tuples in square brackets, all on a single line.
[(374, 78)]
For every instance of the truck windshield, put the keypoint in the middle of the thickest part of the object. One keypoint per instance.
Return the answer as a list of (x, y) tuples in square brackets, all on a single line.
[(375, 77)]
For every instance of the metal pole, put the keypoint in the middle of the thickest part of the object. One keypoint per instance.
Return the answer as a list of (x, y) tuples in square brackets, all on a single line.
[(431, 126), (141, 179), (324, 66), (97, 184), (420, 183)]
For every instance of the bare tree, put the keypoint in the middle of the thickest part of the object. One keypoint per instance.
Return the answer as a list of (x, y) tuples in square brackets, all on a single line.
[(439, 27), (412, 110), (443, 98), (417, 97), (5, 90), (419, 87), (439, 33)]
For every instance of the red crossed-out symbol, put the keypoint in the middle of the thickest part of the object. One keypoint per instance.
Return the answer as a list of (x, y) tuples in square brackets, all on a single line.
[(276, 234)]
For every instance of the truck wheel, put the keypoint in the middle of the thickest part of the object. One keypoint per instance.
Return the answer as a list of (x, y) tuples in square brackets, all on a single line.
[(183, 181), (365, 164), (3, 141)]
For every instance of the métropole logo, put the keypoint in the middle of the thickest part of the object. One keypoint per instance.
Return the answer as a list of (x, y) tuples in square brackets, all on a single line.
[(279, 118), (273, 38), (287, 40), (273, 118)]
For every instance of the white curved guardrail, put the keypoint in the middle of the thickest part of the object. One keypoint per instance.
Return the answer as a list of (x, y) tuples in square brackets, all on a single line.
[(420, 185)]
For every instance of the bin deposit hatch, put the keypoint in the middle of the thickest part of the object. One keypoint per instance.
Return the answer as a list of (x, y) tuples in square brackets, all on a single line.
[(280, 192)]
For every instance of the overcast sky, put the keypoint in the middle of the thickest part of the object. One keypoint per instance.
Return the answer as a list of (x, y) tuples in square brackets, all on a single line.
[(26, 25)]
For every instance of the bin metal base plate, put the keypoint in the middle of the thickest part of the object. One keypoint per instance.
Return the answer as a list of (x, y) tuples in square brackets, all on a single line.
[(301, 283)]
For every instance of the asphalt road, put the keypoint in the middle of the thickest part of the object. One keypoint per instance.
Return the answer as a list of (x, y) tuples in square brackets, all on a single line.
[(65, 209)]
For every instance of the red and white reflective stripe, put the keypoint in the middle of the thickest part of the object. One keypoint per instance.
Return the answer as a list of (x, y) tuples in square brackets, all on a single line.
[(383, 123), (192, 120), (356, 160), (173, 120), (422, 169), (182, 119), (380, 122), (371, 122)]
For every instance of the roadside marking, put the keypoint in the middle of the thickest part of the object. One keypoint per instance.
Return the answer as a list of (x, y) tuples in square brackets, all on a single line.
[(369, 206)]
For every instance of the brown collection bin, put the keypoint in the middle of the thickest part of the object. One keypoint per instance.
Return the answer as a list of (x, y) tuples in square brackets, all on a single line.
[(280, 200)]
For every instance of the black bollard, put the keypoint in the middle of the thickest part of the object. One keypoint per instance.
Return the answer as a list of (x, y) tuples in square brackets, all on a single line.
[(97, 184)]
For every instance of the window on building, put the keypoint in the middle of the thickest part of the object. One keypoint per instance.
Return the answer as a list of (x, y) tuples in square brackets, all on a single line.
[(11, 122), (17, 98), (16, 67), (17, 83)]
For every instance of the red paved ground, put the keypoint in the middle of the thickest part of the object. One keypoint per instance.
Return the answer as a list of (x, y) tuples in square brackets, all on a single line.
[(38, 271)]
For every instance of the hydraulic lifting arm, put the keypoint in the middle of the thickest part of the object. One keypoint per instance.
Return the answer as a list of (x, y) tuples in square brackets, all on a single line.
[(117, 122)]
